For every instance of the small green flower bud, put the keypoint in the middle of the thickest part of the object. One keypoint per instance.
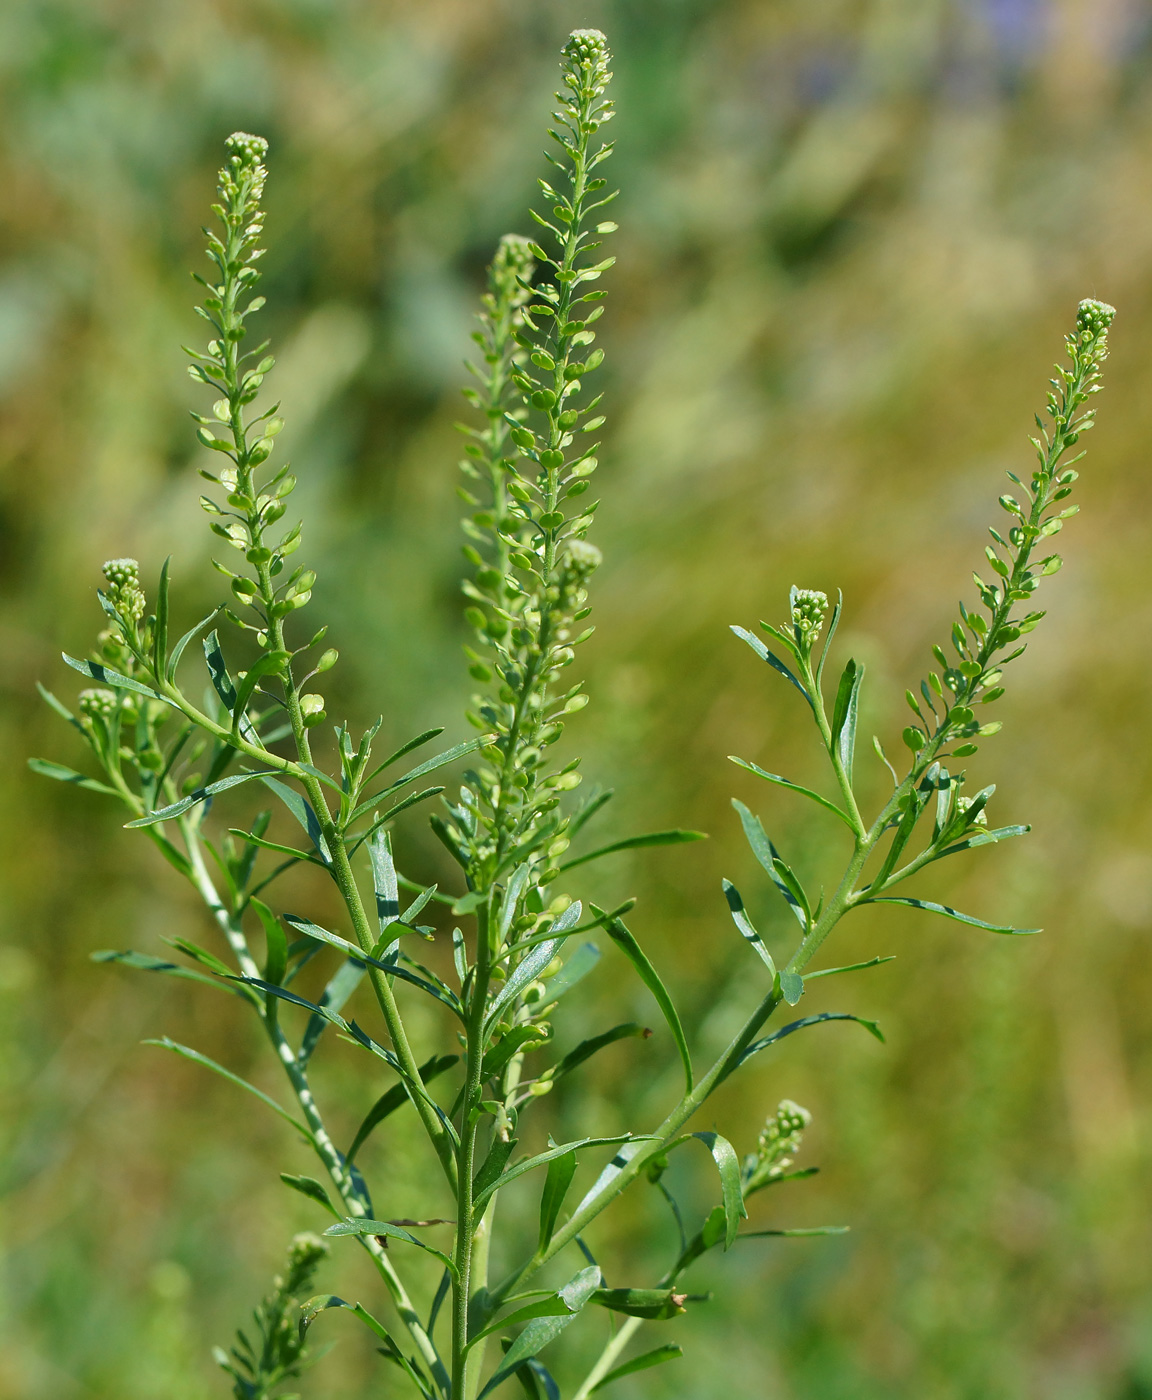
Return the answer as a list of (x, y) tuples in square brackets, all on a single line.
[(808, 606), (588, 47), (124, 589), (328, 660), (582, 558), (97, 704), (120, 572), (1094, 316)]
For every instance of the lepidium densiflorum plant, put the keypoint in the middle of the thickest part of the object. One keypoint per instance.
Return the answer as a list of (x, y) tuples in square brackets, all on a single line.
[(468, 1306)]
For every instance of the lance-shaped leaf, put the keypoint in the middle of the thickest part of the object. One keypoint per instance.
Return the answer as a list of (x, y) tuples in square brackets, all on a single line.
[(429, 766), (626, 942), (407, 748), (178, 649), (611, 1172), (754, 1049), (587, 1048), (561, 1170), (47, 769), (745, 925), (949, 913), (395, 1098), (276, 955), (521, 1039), (849, 967), (779, 873), (394, 811), (793, 787), (393, 969), (533, 964), (303, 813), (315, 1306), (96, 672), (340, 987), (983, 838), (201, 794), (529, 1164), (393, 1232), (308, 1186), (669, 1352), (360, 1037), (728, 1165), (384, 879), (773, 660), (160, 627), (222, 682), (633, 843), (144, 963), (844, 714), (536, 1336), (270, 664), (577, 967), (166, 1044)]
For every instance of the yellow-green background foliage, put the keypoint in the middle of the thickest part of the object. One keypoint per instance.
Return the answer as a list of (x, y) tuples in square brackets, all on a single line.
[(853, 232)]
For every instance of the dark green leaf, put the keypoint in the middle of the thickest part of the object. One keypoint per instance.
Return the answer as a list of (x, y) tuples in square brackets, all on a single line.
[(654, 838), (271, 663), (949, 913), (754, 1049), (561, 1170), (160, 630), (94, 671), (218, 671), (395, 1098), (276, 958), (178, 649), (200, 1059), (533, 964), (303, 813), (384, 879), (844, 714), (420, 739), (577, 967), (849, 967), (669, 1352), (310, 1188), (177, 809), (311, 930), (779, 873), (983, 838), (429, 766), (47, 769), (794, 787), (587, 1048), (541, 1158), (393, 1232), (774, 661), (520, 1038), (144, 963), (728, 1165), (744, 924), (626, 942), (536, 1336), (340, 987)]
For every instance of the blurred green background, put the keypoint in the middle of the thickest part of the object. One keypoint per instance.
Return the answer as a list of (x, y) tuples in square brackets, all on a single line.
[(852, 235)]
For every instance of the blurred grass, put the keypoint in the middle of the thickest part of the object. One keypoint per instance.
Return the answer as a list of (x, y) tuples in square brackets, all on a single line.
[(852, 236)]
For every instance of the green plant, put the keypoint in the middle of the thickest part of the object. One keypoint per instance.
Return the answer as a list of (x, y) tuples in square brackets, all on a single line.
[(510, 828)]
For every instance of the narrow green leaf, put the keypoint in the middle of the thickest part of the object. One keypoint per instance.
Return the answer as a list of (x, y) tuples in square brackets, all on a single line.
[(177, 809), (336, 994), (94, 671), (844, 714), (395, 1098), (849, 967), (407, 748), (654, 838), (728, 1165), (384, 879), (561, 1170), (393, 1232), (626, 942), (533, 964), (402, 806), (949, 913), (575, 969), (536, 1336), (271, 663), (798, 1234), (541, 1158), (276, 957), (754, 1049), (53, 704), (669, 1352), (587, 1048), (779, 873), (160, 630), (312, 1189), (315, 1306), (190, 635), (218, 671), (794, 787), (520, 1038), (983, 838), (745, 925), (144, 963), (303, 813), (393, 969), (429, 766), (47, 769), (774, 661), (166, 1044)]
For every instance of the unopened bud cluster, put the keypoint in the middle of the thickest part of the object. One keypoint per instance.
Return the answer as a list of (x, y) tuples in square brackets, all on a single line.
[(97, 704), (809, 607), (1094, 317), (124, 591), (778, 1143), (245, 161)]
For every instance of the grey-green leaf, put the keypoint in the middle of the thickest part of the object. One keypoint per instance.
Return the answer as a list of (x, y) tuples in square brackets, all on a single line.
[(622, 936), (949, 913), (728, 1165)]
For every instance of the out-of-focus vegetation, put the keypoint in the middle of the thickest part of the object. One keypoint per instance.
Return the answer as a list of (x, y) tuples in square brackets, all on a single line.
[(852, 233)]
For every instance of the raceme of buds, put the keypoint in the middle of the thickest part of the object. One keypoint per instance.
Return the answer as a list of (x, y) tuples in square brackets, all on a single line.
[(124, 591), (808, 607)]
